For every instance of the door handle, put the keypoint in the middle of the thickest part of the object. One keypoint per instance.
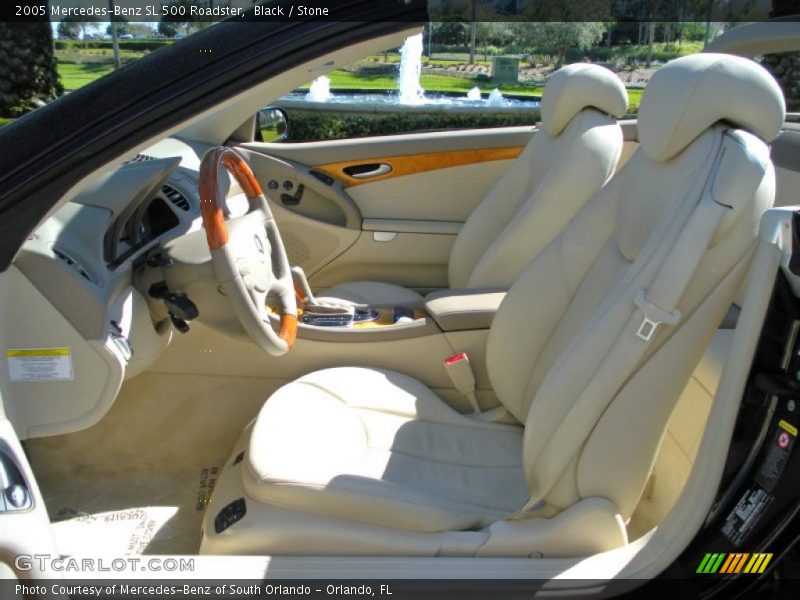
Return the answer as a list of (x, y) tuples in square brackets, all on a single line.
[(368, 170)]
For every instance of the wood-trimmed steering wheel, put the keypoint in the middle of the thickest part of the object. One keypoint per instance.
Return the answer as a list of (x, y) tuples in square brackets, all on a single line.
[(247, 253)]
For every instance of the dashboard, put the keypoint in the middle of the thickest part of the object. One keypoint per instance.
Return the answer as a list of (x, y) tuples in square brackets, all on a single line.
[(82, 263), (90, 247)]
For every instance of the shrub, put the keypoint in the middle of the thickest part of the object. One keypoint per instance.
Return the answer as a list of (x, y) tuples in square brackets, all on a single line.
[(307, 126), (134, 45), (490, 50), (366, 70)]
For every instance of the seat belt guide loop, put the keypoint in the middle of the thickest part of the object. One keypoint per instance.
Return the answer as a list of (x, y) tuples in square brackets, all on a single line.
[(653, 316)]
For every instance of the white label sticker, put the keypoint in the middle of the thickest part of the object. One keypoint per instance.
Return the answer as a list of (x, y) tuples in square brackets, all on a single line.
[(39, 364)]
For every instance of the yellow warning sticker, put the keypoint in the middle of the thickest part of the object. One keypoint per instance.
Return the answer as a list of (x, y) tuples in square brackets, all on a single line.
[(39, 364), (788, 427), (38, 352)]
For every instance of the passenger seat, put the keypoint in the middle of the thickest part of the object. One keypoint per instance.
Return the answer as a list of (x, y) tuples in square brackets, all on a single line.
[(571, 156)]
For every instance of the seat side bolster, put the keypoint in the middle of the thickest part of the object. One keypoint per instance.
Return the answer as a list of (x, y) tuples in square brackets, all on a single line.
[(588, 527)]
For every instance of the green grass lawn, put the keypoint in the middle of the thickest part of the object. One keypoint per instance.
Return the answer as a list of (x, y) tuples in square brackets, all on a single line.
[(634, 98), (74, 76), (345, 80)]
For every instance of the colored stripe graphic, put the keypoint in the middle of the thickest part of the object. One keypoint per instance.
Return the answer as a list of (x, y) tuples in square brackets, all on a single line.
[(734, 563), (728, 564), (711, 562), (758, 563)]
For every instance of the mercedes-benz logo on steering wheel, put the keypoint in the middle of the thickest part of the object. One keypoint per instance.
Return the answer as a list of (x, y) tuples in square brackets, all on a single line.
[(260, 246)]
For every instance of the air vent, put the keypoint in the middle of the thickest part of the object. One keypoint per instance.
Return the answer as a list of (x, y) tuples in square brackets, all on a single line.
[(175, 197), (74, 265), (138, 158)]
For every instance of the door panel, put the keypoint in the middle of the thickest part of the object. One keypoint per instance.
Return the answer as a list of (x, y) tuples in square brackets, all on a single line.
[(310, 243), (318, 219), (305, 190), (415, 260), (447, 194), (359, 172), (411, 194)]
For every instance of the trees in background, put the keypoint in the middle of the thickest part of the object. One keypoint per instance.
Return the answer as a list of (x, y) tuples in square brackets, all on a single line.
[(76, 27), (68, 29), (167, 29), (28, 75), (122, 24), (557, 38)]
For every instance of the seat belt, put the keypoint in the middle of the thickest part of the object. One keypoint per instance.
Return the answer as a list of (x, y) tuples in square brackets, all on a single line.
[(655, 307)]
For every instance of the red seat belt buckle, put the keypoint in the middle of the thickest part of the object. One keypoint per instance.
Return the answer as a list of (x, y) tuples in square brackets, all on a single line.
[(456, 358), (460, 372)]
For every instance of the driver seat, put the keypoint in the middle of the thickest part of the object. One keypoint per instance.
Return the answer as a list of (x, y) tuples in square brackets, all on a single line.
[(574, 152), (364, 461)]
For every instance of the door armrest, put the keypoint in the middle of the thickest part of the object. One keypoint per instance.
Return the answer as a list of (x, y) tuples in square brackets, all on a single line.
[(458, 310)]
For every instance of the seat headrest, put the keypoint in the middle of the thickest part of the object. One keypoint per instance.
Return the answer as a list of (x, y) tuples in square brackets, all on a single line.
[(689, 94), (575, 87)]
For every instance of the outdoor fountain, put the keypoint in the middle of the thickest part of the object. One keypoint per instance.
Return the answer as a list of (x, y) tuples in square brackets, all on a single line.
[(409, 92), (320, 90), (495, 98)]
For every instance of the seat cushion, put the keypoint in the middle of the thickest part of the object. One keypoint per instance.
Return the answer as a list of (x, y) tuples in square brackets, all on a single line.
[(380, 447), (373, 293)]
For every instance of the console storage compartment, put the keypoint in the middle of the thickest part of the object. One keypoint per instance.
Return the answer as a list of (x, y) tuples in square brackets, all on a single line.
[(459, 310)]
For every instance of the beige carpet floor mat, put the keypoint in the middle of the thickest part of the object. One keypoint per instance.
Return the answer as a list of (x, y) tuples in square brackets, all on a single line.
[(138, 481)]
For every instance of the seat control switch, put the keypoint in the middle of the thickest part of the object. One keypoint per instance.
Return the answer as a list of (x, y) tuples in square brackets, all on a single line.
[(230, 514)]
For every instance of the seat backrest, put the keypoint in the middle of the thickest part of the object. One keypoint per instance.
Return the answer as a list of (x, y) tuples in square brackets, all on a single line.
[(569, 307), (567, 160)]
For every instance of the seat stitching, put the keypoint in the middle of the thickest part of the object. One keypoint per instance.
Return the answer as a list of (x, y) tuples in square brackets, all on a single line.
[(443, 461), (467, 424), (475, 498)]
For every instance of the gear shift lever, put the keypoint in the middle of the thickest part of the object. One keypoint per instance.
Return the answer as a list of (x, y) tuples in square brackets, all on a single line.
[(320, 313), (301, 285), (328, 311)]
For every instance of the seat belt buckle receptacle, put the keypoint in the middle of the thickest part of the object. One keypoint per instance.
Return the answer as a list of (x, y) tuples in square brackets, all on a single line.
[(460, 373)]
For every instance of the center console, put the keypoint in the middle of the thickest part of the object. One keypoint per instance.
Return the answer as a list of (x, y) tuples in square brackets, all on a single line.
[(443, 311), (360, 317)]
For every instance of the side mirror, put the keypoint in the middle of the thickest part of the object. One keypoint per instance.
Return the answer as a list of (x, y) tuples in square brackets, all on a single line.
[(273, 123)]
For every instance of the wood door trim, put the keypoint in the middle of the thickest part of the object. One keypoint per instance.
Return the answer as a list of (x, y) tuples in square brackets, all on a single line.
[(407, 164)]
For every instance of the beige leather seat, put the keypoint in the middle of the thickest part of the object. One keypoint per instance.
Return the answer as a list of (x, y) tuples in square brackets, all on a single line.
[(354, 461), (572, 155)]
